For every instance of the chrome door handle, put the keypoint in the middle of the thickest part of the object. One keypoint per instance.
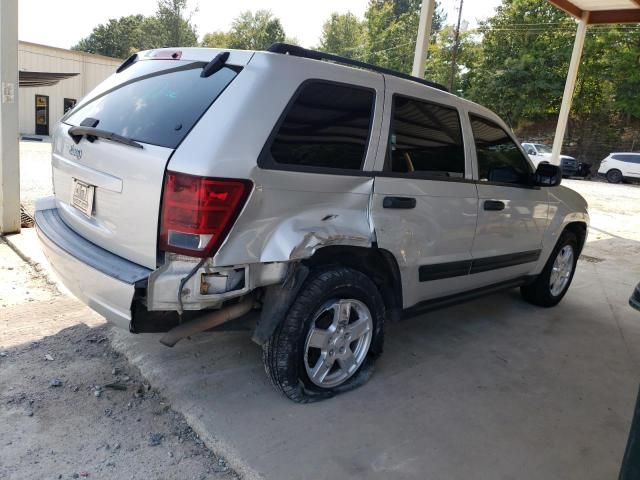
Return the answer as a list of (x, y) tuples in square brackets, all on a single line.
[(493, 205), (399, 202)]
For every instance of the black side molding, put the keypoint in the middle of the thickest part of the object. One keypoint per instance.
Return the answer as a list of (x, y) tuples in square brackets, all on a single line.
[(439, 271), (502, 261), (444, 270)]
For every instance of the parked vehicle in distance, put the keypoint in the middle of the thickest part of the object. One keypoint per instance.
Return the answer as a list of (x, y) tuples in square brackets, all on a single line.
[(322, 195), (620, 166), (584, 170), (539, 153), (634, 300)]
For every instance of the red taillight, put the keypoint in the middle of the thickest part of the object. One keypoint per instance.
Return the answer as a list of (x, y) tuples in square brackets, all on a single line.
[(197, 212)]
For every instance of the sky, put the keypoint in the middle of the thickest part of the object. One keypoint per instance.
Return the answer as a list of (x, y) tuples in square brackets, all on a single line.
[(61, 23)]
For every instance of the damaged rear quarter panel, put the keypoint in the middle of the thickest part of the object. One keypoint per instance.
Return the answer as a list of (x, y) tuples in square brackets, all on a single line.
[(291, 214)]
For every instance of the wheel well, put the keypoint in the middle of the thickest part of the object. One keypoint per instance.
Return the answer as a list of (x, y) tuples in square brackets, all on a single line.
[(378, 264), (579, 229)]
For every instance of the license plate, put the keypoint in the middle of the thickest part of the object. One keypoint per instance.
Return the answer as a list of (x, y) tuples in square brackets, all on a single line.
[(82, 196)]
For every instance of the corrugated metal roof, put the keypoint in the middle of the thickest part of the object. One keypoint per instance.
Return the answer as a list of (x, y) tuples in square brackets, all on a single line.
[(42, 79)]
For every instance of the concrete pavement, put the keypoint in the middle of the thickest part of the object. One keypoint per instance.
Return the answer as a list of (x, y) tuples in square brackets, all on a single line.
[(493, 389)]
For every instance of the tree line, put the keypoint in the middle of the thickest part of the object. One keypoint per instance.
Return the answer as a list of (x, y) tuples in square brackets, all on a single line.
[(515, 62)]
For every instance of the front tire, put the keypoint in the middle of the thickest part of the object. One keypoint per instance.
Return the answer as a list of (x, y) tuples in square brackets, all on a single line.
[(330, 337), (553, 282), (614, 176)]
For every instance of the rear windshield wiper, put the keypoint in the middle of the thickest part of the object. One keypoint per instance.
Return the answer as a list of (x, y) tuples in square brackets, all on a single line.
[(76, 133)]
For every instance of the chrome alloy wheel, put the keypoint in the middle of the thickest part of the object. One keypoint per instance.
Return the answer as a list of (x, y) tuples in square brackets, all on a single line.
[(338, 342), (561, 270)]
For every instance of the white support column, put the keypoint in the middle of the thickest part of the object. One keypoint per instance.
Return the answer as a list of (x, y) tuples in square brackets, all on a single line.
[(569, 88), (9, 146), (424, 34)]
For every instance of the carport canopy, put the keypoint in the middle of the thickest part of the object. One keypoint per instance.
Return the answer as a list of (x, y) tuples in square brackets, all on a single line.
[(587, 12)]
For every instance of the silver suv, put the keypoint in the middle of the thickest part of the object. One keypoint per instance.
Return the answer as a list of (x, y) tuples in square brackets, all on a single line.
[(322, 196)]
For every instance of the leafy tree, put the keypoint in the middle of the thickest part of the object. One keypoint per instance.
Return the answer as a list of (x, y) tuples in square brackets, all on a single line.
[(175, 25), (625, 70), (392, 28), (343, 34), (121, 37), (216, 40), (526, 49), (438, 66), (255, 31), (519, 70)]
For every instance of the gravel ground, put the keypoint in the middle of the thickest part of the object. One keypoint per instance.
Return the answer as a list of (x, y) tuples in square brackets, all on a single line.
[(612, 208), (70, 406)]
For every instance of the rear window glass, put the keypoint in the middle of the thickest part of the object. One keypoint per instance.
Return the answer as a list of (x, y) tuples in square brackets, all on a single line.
[(157, 107), (326, 127)]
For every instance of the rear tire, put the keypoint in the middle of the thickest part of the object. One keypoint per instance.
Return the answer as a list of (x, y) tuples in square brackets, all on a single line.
[(551, 285), (330, 337), (614, 176)]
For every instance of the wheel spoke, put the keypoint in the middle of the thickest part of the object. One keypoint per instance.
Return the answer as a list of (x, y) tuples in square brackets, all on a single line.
[(344, 312), (348, 362), (358, 328), (561, 271), (321, 369), (319, 338)]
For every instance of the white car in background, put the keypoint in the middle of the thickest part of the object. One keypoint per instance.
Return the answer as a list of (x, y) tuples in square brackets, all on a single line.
[(620, 166), (540, 153)]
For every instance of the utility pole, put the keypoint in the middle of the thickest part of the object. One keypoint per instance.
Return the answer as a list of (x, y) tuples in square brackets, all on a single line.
[(424, 36), (454, 54), (9, 156)]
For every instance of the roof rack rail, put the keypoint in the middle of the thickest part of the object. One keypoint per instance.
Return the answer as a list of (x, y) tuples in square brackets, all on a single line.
[(295, 50)]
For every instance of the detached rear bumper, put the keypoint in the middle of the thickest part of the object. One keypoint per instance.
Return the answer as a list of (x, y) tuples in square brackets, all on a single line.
[(100, 279)]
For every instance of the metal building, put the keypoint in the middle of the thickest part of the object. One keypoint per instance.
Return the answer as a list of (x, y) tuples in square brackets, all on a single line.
[(52, 80)]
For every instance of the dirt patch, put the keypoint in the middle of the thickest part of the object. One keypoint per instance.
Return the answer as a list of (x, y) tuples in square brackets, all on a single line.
[(72, 407), (590, 259)]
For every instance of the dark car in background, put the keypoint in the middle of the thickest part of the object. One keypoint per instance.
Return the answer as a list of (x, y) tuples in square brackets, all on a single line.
[(540, 153)]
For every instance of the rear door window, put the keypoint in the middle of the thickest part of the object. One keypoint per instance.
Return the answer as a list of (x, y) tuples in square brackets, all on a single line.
[(159, 106), (627, 157), (326, 127), (425, 138)]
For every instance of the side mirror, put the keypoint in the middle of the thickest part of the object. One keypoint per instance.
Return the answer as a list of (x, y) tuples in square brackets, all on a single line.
[(547, 175)]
